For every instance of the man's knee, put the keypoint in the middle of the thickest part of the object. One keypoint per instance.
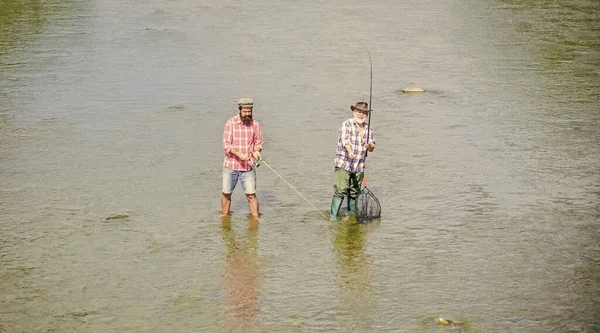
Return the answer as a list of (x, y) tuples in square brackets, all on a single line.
[(251, 197), (339, 192)]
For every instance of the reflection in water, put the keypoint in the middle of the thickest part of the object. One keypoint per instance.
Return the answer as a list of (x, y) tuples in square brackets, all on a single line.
[(242, 274), (354, 270)]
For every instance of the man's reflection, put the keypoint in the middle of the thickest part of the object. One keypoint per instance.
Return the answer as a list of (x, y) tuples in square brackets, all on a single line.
[(353, 265), (242, 275)]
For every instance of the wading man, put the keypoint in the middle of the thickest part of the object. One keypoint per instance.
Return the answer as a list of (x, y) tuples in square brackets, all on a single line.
[(350, 157), (242, 143)]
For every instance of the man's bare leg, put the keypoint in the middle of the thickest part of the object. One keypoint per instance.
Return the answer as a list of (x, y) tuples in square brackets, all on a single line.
[(252, 204), (225, 203)]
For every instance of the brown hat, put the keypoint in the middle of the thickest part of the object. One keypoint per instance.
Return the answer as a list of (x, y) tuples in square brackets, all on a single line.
[(361, 106)]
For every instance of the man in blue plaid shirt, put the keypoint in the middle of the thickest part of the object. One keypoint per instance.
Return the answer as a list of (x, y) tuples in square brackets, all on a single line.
[(350, 158)]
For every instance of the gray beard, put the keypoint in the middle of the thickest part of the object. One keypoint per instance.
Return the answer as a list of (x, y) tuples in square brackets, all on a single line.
[(360, 121)]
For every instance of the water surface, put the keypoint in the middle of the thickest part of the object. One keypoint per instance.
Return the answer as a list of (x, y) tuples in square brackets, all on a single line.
[(489, 181)]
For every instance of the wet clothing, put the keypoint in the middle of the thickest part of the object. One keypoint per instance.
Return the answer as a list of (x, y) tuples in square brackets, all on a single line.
[(243, 138), (349, 135)]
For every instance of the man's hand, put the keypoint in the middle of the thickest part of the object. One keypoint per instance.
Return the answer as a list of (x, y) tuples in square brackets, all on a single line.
[(257, 158), (350, 152), (370, 147), (241, 156)]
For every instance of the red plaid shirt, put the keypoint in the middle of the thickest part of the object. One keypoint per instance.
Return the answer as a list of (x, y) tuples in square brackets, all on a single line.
[(242, 138)]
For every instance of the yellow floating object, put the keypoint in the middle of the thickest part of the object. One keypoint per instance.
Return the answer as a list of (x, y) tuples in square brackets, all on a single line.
[(442, 321), (447, 322), (412, 90)]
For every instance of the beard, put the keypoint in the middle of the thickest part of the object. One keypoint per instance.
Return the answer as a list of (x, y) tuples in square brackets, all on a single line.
[(359, 120), (246, 119)]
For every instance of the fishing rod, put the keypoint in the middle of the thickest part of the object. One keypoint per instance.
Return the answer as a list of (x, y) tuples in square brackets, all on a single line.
[(368, 207), (370, 95), (368, 134)]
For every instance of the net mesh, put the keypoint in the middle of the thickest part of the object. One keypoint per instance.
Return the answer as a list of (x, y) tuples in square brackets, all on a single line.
[(367, 206)]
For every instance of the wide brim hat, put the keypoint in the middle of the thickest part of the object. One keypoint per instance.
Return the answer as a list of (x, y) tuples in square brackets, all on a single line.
[(361, 106)]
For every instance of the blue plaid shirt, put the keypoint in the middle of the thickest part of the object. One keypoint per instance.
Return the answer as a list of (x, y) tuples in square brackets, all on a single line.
[(349, 136)]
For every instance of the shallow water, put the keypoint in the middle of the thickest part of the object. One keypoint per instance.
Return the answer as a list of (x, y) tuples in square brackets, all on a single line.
[(489, 181)]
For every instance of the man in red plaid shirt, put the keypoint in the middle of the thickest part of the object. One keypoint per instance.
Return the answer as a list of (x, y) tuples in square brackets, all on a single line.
[(242, 143)]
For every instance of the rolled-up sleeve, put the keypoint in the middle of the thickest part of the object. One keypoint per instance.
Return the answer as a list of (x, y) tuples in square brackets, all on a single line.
[(227, 138), (345, 132), (258, 136)]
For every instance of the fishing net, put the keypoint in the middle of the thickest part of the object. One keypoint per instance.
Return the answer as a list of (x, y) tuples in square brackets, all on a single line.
[(367, 206)]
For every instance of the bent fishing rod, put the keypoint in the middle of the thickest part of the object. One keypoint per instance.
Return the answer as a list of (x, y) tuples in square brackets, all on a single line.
[(368, 134), (370, 95)]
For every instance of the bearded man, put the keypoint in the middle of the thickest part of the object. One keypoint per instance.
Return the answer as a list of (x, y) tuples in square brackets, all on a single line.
[(350, 155), (242, 143)]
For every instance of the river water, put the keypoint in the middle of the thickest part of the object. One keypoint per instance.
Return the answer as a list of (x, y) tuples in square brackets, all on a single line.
[(489, 181)]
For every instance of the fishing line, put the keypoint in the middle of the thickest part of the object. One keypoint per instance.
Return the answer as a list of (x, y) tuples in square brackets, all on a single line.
[(293, 188)]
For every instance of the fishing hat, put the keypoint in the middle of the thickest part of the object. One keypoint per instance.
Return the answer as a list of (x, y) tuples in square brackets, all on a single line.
[(361, 106), (245, 101)]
